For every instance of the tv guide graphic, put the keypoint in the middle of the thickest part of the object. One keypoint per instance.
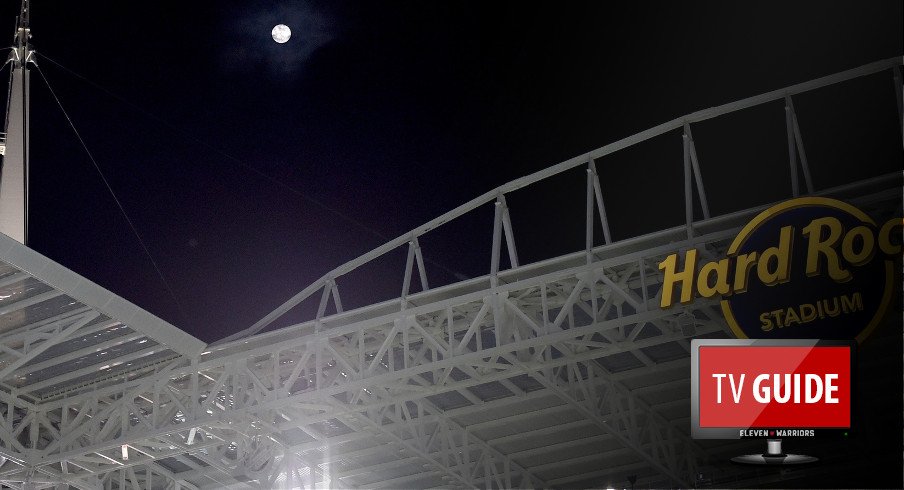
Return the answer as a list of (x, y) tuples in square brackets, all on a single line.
[(800, 285), (770, 388)]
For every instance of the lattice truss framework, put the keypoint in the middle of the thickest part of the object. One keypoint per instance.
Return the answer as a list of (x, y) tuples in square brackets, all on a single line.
[(444, 380), (379, 376)]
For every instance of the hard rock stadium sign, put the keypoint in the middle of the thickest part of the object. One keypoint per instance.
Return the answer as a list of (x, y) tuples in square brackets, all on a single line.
[(810, 267)]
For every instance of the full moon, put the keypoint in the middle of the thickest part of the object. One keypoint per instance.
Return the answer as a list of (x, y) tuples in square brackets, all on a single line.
[(281, 33)]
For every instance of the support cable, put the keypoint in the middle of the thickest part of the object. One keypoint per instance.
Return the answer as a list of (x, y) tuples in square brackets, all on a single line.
[(115, 198), (457, 275)]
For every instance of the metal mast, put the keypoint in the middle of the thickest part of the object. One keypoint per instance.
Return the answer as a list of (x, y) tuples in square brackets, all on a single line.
[(14, 177)]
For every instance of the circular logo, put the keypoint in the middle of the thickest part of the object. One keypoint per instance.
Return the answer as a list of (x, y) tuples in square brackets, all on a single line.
[(810, 267)]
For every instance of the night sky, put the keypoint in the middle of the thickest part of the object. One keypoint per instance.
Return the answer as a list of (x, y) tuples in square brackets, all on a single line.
[(251, 168)]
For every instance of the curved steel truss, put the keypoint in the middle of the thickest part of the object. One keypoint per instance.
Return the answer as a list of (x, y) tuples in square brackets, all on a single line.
[(559, 373)]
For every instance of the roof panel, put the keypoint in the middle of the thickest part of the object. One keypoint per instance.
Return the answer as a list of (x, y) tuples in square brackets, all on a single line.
[(50, 308), (103, 333), (44, 276), (114, 355), (111, 372), (60, 332)]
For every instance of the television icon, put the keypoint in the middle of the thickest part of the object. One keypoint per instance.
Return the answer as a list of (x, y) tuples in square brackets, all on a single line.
[(771, 389)]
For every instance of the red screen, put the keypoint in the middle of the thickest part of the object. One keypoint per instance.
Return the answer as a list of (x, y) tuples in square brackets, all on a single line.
[(818, 395)]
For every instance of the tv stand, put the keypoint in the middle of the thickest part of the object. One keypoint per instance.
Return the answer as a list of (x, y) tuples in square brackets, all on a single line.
[(774, 455)]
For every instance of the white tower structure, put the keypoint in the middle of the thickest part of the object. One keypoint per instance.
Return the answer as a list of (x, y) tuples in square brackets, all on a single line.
[(14, 178)]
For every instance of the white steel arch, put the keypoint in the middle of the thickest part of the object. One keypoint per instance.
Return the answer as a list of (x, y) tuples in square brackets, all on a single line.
[(558, 373)]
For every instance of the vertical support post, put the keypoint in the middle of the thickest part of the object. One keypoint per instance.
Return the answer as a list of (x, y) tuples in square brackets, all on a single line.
[(318, 366), (64, 424), (500, 319), (450, 330), (414, 256), (808, 179), (361, 353), (274, 379), (324, 298), (509, 234), (487, 473), (497, 242), (792, 150), (507, 468), (502, 223), (10, 407), (33, 431), (544, 304), (688, 190), (695, 167), (600, 206), (337, 301), (405, 348), (419, 257), (329, 289), (406, 282), (588, 242), (195, 391), (409, 269)]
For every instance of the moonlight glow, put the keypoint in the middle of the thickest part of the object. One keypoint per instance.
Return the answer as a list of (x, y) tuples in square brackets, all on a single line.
[(281, 33)]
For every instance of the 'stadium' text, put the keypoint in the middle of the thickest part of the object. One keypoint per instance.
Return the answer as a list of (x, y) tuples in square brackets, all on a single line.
[(808, 312)]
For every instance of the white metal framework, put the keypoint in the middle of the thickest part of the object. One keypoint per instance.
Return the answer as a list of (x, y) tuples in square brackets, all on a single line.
[(559, 373)]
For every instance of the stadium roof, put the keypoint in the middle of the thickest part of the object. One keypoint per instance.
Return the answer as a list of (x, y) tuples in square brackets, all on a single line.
[(60, 331), (557, 373)]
